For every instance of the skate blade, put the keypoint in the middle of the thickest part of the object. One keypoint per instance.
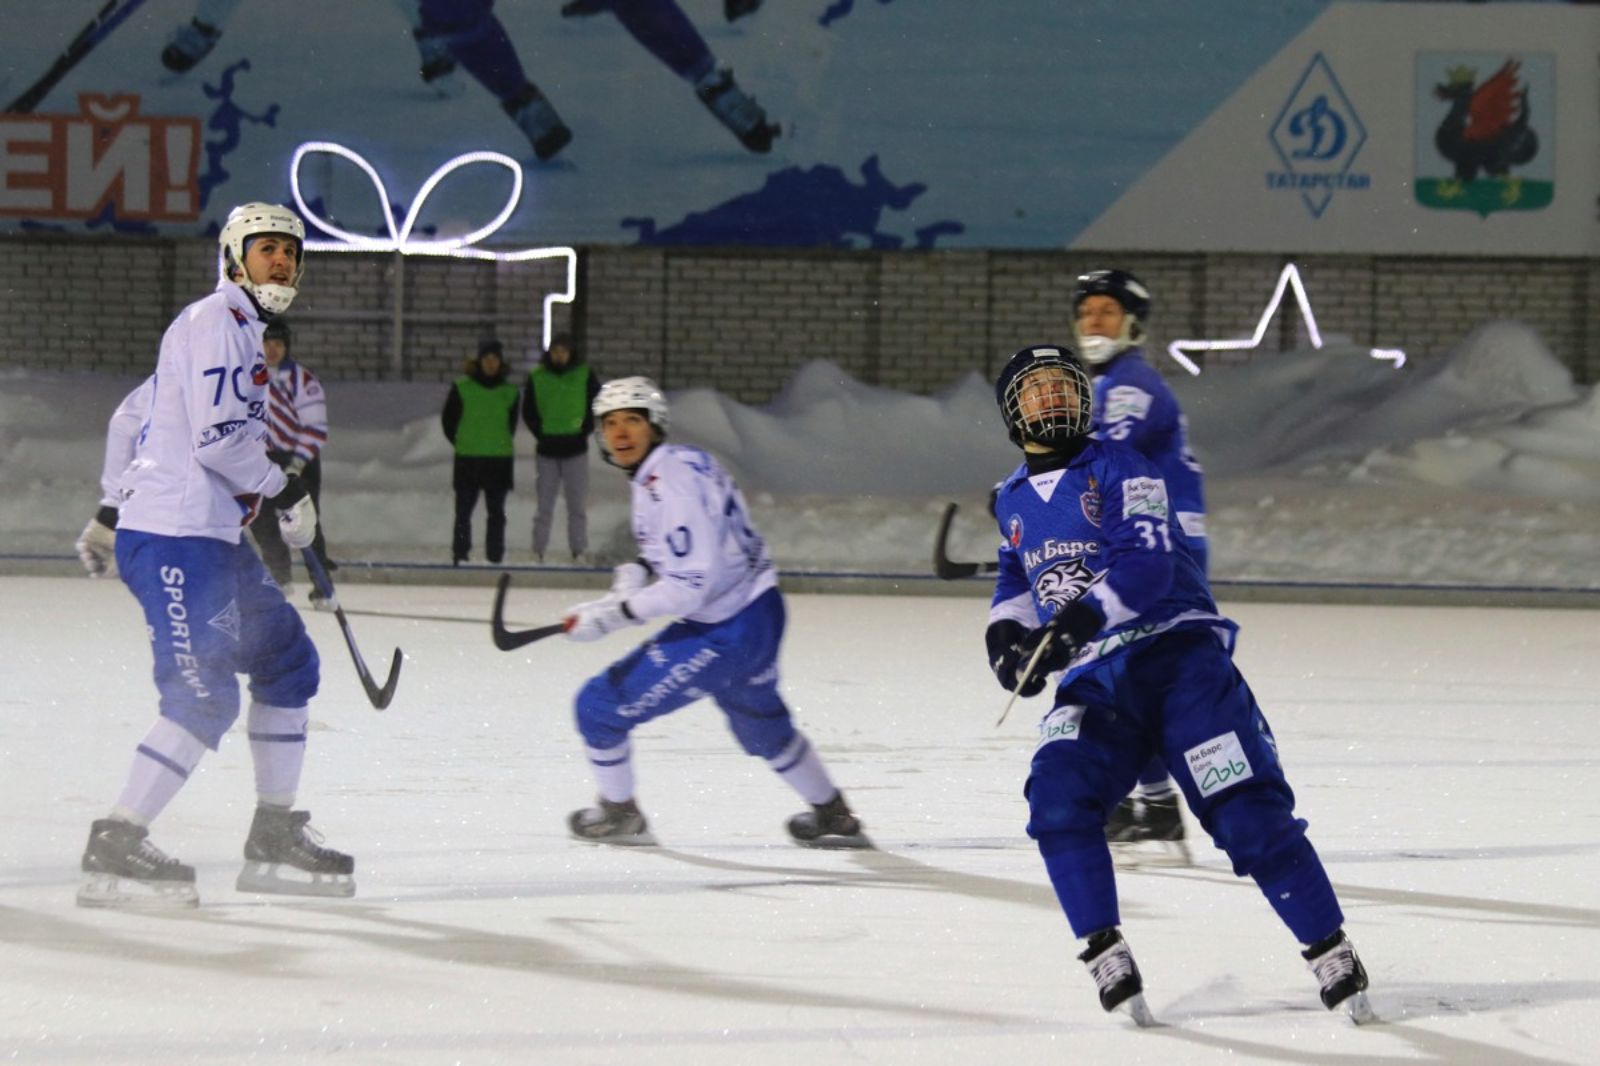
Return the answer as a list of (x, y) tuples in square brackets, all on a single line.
[(1359, 1010), (110, 892), (645, 839), (1138, 1010), (1152, 853), (835, 842), (279, 879)]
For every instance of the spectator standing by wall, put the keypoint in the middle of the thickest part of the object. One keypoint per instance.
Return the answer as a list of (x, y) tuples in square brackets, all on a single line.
[(480, 418), (297, 431), (556, 408)]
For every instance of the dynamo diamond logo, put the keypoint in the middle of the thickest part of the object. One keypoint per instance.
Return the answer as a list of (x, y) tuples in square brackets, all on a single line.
[(1317, 137)]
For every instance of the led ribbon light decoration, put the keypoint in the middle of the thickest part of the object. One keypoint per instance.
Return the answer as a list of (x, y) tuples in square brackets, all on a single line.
[(1288, 278), (402, 242)]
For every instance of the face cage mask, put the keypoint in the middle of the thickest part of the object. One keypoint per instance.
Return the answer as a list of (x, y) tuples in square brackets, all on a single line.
[(1064, 420)]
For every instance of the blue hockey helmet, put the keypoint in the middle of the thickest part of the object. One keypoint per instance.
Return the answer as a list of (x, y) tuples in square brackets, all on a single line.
[(1045, 396)]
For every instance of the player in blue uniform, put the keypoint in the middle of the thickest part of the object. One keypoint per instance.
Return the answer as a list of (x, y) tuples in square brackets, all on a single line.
[(702, 562), (1134, 405), (1099, 588)]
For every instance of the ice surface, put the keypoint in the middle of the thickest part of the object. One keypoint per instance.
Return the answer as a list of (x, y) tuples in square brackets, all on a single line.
[(1447, 760)]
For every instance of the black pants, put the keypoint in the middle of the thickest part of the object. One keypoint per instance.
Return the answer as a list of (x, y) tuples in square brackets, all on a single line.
[(269, 540), (492, 478)]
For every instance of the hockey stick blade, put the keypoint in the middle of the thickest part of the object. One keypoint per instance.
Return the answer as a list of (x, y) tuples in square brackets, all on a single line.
[(379, 696), (112, 15), (944, 567), (507, 640)]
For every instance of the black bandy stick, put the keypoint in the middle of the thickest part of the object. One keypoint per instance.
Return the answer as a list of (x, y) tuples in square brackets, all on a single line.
[(509, 640), (380, 696), (943, 567), (112, 15)]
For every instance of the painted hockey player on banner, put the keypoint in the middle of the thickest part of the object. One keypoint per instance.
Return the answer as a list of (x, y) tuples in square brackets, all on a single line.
[(198, 473), (1100, 590), (702, 562), (1133, 404)]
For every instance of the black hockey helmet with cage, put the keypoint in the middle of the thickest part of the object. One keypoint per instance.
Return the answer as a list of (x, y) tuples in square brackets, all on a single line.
[(1045, 396), (1120, 285)]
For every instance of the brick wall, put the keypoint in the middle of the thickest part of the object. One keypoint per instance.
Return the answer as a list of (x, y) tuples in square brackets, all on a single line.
[(743, 320)]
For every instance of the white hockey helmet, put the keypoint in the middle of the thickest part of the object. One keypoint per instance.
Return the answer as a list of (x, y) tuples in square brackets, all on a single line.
[(629, 394), (635, 393), (248, 221)]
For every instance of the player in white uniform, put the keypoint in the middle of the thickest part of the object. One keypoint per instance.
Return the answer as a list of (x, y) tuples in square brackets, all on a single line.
[(97, 544), (701, 561), (199, 472)]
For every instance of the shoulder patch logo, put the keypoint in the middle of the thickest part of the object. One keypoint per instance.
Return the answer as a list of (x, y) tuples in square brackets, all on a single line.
[(1014, 531), (1090, 501)]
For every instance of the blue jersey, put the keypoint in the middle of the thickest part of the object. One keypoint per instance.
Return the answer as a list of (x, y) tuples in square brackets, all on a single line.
[(1134, 405), (1099, 528)]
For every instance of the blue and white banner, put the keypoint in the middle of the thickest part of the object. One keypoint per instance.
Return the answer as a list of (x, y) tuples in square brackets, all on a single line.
[(1169, 124)]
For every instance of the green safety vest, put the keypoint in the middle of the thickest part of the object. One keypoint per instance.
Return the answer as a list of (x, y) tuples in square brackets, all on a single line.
[(562, 399), (485, 429)]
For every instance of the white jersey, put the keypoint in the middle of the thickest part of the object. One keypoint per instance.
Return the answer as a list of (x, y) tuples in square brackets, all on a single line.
[(201, 466), (122, 437), (694, 531)]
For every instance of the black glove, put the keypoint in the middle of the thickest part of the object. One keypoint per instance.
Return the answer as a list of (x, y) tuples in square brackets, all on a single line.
[(1012, 647), (1008, 656), (293, 492)]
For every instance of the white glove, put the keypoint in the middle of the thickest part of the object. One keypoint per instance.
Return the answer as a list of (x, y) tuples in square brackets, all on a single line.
[(629, 577), (298, 523), (296, 467), (97, 547), (593, 620)]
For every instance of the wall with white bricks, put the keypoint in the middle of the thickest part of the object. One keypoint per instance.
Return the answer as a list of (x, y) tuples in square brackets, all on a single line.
[(743, 321)]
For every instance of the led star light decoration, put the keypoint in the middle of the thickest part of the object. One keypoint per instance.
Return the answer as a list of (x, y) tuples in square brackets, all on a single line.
[(402, 241), (1288, 279)]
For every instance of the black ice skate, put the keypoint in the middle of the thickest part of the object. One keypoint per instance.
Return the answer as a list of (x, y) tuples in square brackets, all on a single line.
[(122, 869), (829, 825), (737, 110), (1343, 979), (1115, 974), (190, 43), (1155, 822), (612, 823), (539, 122), (435, 62), (284, 856)]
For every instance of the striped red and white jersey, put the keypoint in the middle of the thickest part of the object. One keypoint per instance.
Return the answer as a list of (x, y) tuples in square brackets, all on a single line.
[(297, 411)]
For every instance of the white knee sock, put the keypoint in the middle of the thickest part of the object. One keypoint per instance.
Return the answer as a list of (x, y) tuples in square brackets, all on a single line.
[(278, 748), (613, 771), (162, 763), (800, 765)]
